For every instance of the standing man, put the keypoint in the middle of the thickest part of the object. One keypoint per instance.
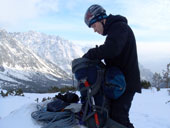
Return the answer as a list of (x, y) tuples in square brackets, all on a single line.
[(119, 49)]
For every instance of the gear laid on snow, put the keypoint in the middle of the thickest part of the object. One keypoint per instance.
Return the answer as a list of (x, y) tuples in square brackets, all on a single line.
[(56, 105), (69, 97), (74, 107), (59, 113), (64, 119)]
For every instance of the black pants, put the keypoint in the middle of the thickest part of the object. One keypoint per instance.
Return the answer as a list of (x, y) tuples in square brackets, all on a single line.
[(119, 109)]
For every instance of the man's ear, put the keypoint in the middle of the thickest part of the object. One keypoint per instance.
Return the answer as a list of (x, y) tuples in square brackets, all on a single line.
[(103, 21)]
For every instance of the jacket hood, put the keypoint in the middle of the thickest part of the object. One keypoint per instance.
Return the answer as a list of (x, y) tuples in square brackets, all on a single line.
[(111, 19)]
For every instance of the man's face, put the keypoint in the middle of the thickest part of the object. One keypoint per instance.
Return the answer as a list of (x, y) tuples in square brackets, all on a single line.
[(98, 27)]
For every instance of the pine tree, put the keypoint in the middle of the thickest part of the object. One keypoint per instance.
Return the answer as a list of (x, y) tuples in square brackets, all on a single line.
[(166, 75), (145, 84), (157, 79)]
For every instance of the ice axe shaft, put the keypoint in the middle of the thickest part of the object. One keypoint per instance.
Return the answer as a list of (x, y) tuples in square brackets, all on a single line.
[(86, 83)]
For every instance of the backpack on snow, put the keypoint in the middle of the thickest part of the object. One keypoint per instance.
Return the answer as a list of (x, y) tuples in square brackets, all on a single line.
[(96, 84), (58, 113)]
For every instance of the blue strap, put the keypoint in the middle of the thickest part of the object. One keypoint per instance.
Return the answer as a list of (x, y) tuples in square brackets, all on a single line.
[(97, 19)]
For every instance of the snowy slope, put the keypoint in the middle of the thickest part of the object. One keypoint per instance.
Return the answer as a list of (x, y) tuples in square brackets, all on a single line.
[(149, 110), (52, 48), (21, 67)]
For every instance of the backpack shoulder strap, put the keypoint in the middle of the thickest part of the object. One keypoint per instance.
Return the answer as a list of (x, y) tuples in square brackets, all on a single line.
[(96, 86)]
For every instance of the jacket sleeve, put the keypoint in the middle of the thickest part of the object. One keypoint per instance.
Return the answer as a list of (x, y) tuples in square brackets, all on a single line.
[(113, 46)]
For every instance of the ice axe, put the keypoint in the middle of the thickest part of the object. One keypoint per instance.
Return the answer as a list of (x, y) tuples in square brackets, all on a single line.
[(86, 84)]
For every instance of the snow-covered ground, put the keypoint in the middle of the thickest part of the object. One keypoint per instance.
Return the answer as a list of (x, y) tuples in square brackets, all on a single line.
[(150, 109)]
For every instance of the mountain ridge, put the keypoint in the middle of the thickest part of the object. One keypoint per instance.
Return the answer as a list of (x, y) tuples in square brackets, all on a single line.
[(42, 57), (33, 71)]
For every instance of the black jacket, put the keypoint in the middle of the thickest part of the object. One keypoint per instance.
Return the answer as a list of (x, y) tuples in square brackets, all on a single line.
[(119, 49)]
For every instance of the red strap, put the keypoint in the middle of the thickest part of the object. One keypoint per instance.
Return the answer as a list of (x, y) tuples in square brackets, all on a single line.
[(96, 119), (86, 83)]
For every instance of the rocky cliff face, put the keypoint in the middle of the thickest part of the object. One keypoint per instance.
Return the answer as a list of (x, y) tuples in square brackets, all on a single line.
[(21, 67), (52, 48)]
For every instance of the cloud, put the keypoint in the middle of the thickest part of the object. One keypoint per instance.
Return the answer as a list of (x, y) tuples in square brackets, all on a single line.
[(56, 26), (154, 55), (71, 4), (13, 11), (48, 6), (151, 14), (148, 19)]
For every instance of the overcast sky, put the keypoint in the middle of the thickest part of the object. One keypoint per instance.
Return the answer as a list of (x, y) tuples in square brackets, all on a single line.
[(149, 19)]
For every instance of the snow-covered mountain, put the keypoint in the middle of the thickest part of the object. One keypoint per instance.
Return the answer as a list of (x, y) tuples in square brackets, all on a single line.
[(32, 59), (21, 67), (60, 51), (52, 48)]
